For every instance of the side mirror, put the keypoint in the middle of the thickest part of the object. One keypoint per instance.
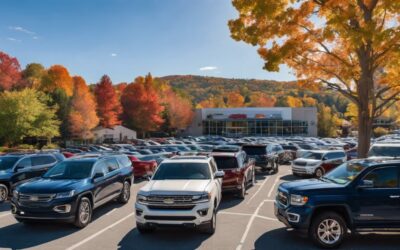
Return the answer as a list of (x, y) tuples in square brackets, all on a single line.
[(98, 175), (366, 184), (18, 168), (219, 174)]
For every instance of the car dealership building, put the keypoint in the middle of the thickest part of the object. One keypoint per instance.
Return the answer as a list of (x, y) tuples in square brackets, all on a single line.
[(235, 122)]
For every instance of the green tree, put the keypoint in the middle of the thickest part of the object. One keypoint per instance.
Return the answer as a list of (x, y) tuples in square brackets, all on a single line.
[(32, 75), (63, 102), (25, 113)]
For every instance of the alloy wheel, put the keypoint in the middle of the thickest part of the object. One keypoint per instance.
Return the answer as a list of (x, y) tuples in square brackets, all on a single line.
[(126, 192), (3, 193), (329, 231), (84, 212)]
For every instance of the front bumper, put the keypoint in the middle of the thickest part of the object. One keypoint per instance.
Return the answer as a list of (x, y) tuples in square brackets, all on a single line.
[(293, 216), (44, 210), (174, 217), (301, 170)]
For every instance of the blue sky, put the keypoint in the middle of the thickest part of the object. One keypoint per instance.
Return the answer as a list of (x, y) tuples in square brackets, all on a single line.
[(128, 38)]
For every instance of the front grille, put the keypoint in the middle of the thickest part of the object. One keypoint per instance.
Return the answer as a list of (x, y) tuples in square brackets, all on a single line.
[(177, 218), (35, 197), (282, 198), (300, 163), (169, 199), (171, 207)]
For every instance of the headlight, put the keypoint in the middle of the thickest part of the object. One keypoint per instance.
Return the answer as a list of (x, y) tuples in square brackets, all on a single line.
[(141, 198), (298, 200), (15, 194), (65, 194), (201, 197)]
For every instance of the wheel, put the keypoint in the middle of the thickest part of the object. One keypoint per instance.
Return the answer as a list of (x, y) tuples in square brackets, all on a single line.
[(328, 230), (3, 193), (242, 192), (253, 177), (212, 225), (319, 172), (83, 213), (125, 193), (144, 229), (276, 169)]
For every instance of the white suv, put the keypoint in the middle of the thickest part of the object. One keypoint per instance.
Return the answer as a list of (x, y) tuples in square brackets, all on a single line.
[(184, 191)]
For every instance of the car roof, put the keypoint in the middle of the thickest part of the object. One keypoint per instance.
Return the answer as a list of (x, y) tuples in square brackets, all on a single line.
[(191, 158), (228, 154), (394, 144)]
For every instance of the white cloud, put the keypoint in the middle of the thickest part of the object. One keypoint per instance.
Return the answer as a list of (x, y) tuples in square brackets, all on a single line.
[(13, 39), (20, 29), (113, 54), (208, 68), (35, 37)]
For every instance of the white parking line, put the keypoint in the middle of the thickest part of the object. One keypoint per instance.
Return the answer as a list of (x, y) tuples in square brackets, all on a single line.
[(244, 236), (99, 232), (273, 185), (259, 189), (232, 213), (111, 211), (266, 218), (4, 215)]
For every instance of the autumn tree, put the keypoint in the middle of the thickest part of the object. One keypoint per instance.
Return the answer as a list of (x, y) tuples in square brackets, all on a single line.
[(328, 121), (83, 117), (294, 102), (108, 104), (178, 110), (258, 99), (26, 113), (57, 77), (234, 100), (212, 102), (141, 105), (10, 72), (350, 46), (33, 75)]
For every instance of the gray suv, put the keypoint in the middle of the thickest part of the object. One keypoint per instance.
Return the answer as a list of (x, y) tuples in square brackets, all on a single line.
[(16, 169)]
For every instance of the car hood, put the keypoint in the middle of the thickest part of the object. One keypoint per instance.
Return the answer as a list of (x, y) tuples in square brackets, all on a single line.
[(184, 186), (309, 185), (307, 160), (46, 186)]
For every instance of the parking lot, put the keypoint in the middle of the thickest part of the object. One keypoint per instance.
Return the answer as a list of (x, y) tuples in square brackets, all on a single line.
[(241, 224)]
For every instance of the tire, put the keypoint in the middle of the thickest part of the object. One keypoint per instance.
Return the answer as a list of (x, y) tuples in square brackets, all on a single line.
[(125, 193), (84, 213), (242, 192), (276, 169), (328, 230), (144, 229), (319, 172), (3, 193), (212, 225)]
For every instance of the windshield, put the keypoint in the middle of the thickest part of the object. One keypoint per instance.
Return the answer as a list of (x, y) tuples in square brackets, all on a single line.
[(313, 156), (7, 162), (252, 150), (70, 170), (345, 173), (389, 151), (182, 171), (226, 162)]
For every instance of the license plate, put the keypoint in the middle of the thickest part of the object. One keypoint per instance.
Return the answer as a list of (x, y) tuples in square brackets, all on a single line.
[(34, 198)]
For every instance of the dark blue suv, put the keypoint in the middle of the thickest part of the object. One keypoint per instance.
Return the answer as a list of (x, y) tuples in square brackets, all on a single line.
[(357, 196), (73, 188)]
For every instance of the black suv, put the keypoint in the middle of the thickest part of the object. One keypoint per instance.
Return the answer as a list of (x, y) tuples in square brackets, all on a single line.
[(265, 156), (16, 169), (73, 188), (360, 195)]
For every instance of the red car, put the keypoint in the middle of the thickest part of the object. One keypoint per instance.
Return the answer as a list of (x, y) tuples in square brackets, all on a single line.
[(142, 168), (239, 171)]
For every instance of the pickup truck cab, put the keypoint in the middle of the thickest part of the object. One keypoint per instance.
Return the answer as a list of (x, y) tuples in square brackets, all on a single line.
[(72, 189), (360, 196), (318, 162), (265, 156), (18, 168), (239, 171), (184, 191)]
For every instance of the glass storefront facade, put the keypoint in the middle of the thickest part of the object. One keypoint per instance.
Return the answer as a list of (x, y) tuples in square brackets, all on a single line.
[(254, 127)]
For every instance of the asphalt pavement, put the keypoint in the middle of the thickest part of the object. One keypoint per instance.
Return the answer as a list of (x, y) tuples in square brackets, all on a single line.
[(241, 224)]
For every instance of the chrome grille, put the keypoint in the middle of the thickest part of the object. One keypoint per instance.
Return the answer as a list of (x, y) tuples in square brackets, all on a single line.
[(300, 163), (169, 199), (35, 197)]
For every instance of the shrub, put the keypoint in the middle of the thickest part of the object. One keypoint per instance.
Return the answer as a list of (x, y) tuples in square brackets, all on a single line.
[(379, 131)]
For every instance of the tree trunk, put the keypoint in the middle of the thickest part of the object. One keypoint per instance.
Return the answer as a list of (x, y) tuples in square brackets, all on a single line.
[(364, 132)]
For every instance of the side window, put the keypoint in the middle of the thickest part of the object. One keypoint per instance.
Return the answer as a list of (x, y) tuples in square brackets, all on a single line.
[(329, 156), (112, 165), (240, 160), (101, 167), (24, 163), (42, 160), (384, 177), (213, 166), (124, 161)]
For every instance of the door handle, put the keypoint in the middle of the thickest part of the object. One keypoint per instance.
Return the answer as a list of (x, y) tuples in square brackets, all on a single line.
[(394, 196)]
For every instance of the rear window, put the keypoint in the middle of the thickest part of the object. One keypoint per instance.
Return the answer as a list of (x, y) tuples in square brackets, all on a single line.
[(389, 151), (225, 162), (255, 150)]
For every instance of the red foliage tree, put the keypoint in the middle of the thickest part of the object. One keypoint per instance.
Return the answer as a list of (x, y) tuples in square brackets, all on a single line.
[(108, 105), (180, 110), (10, 71), (141, 105)]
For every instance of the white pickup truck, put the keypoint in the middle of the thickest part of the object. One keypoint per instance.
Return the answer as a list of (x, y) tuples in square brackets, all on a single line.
[(184, 191)]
